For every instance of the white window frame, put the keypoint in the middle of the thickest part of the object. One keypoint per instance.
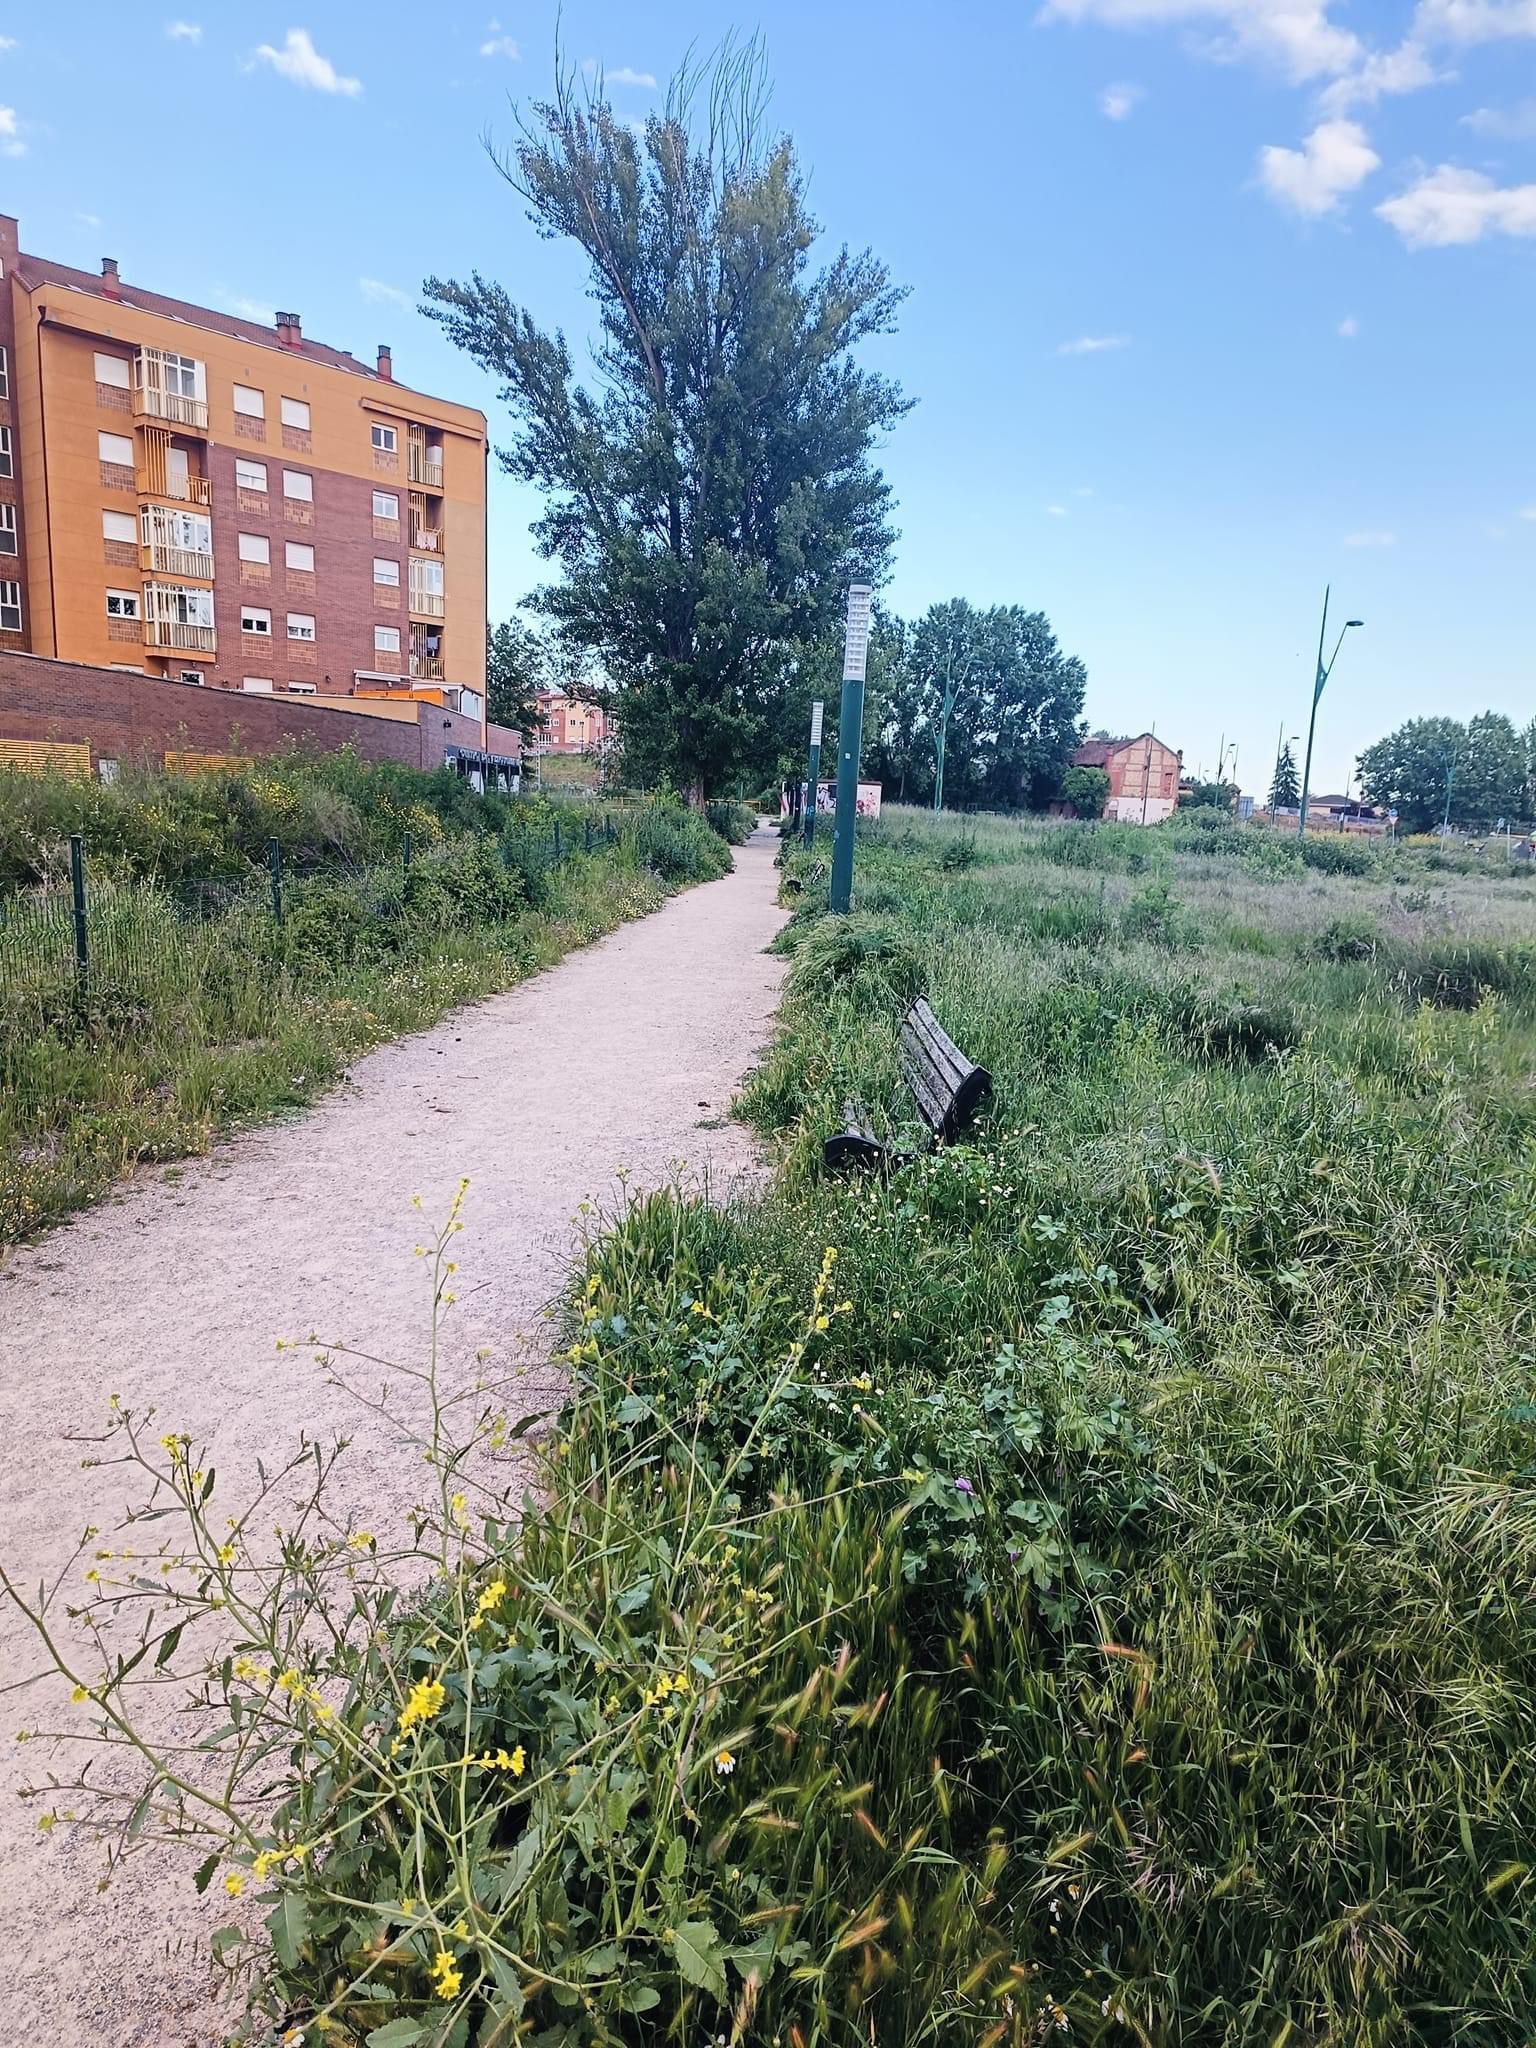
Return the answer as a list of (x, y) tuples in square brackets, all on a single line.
[(250, 612), (254, 547), (256, 686), (295, 412), (104, 440), (390, 580), (385, 439), (243, 395), (175, 604), (244, 483), (121, 520), (303, 689), (299, 547), (7, 460), (301, 620), (386, 639), (116, 370), (306, 496), (10, 601), (427, 576), (190, 533), (5, 373), (386, 498), (125, 604), (8, 530)]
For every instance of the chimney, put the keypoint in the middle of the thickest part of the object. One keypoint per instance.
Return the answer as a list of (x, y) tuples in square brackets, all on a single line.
[(109, 279), (386, 366), (289, 333)]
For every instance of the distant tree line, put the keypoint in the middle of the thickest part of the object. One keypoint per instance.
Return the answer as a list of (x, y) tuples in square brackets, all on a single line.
[(1479, 772)]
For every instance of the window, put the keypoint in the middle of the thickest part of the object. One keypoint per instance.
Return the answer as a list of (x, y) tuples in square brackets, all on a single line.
[(298, 483), (427, 576), (5, 374), (7, 529), (254, 620), (386, 639), (301, 689), (119, 526), (295, 412), (301, 626), (385, 439), (255, 547), (189, 532), (173, 604), (298, 554), (192, 675), (112, 370), (116, 448), (10, 607), (123, 604), (256, 686), (385, 505), (386, 572), (252, 403), (251, 476), (6, 466), (183, 376)]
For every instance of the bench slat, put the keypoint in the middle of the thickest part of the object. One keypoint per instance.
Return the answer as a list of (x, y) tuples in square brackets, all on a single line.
[(947, 1088)]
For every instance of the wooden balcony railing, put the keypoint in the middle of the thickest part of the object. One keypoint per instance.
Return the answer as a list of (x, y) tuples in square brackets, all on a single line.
[(172, 633), (169, 561), (170, 405)]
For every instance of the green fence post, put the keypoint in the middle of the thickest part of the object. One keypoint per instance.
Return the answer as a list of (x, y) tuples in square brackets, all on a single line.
[(406, 850), (275, 863), (608, 821), (77, 889)]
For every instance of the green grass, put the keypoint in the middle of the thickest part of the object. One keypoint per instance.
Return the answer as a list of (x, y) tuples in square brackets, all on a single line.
[(1103, 1549)]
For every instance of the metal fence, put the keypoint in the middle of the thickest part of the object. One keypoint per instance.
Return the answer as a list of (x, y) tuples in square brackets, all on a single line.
[(92, 941)]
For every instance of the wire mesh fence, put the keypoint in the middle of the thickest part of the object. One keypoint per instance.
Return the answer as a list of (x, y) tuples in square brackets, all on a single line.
[(94, 941)]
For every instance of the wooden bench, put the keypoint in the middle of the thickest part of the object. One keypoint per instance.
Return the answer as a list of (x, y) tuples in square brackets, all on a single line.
[(946, 1087)]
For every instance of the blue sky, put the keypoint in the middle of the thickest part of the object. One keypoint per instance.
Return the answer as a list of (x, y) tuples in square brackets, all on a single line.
[(1212, 301)]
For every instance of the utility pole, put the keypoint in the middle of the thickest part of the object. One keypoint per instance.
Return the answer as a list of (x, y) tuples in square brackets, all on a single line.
[(1450, 784), (850, 732)]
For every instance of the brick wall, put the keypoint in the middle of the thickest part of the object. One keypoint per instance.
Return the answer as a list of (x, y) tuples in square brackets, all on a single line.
[(126, 717)]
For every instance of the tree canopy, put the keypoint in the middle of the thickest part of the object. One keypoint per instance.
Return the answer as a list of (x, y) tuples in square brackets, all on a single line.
[(1285, 788), (1013, 698), (713, 492), (1086, 790), (1485, 765), (517, 668)]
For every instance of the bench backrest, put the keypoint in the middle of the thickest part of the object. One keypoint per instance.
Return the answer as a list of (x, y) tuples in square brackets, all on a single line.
[(947, 1087)]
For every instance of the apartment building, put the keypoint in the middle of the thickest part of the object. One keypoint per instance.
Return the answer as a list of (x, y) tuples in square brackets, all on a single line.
[(188, 494), (572, 725)]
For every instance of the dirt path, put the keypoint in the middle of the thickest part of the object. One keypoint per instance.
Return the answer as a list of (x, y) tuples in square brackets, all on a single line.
[(624, 1055)]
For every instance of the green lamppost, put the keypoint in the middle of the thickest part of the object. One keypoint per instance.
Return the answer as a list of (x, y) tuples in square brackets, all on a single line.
[(1323, 673), (850, 733)]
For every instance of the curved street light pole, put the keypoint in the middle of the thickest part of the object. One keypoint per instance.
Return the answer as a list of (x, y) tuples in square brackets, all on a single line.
[(1324, 671)]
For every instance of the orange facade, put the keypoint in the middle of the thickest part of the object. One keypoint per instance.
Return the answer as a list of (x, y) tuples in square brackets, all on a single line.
[(201, 497)]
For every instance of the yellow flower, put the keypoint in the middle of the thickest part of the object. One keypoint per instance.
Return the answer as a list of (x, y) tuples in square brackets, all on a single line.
[(266, 1862), (360, 1541), (725, 1763), (234, 1883), (427, 1699), (80, 1693), (226, 1553), (460, 1510), (446, 1975), (461, 1929), (516, 1762), (173, 1445), (493, 1595)]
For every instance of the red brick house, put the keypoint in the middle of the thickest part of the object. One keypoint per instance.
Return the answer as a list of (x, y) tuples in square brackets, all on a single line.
[(1143, 776)]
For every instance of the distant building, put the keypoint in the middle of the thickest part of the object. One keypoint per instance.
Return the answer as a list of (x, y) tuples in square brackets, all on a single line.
[(1143, 776), (572, 725)]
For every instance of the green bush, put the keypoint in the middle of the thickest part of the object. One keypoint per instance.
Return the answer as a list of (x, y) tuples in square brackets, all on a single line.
[(676, 844), (734, 822), (1343, 939), (1336, 855), (870, 951)]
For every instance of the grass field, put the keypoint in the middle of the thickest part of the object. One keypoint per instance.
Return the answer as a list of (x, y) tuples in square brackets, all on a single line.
[(1080, 1585)]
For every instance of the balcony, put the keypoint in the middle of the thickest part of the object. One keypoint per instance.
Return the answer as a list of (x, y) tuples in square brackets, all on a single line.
[(427, 539), (427, 604), (425, 469), (171, 561), (170, 405), (173, 633), (186, 490), (426, 668)]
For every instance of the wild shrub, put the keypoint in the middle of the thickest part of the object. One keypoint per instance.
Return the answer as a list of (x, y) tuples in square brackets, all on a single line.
[(1333, 854), (734, 822), (872, 951), (1456, 974), (1347, 938), (676, 844)]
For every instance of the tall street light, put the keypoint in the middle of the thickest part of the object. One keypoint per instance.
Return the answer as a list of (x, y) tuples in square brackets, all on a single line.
[(1323, 673)]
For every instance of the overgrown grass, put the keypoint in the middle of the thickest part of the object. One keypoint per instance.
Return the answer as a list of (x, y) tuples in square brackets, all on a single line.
[(199, 1012), (1077, 1585)]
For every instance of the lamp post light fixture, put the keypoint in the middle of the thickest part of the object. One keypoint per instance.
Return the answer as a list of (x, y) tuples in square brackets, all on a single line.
[(1324, 671)]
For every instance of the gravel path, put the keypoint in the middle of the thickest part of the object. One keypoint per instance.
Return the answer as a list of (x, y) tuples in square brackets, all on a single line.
[(624, 1055)]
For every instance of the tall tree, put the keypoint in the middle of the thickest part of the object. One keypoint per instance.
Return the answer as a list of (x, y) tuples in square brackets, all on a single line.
[(712, 496), (1285, 789), (517, 668), (1480, 767), (1013, 699)]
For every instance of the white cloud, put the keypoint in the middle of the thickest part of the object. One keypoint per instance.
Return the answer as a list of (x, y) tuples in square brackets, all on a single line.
[(1528, 511), (302, 64), (1334, 159), (1092, 344), (243, 308), (1349, 327), (11, 143), (1057, 511), (1294, 34), (1083, 491), (1512, 124), (500, 46), (89, 220), (380, 294), (184, 31), (1449, 207), (624, 75), (1475, 21), (1117, 101), (8, 43), (1381, 75), (1371, 537)]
